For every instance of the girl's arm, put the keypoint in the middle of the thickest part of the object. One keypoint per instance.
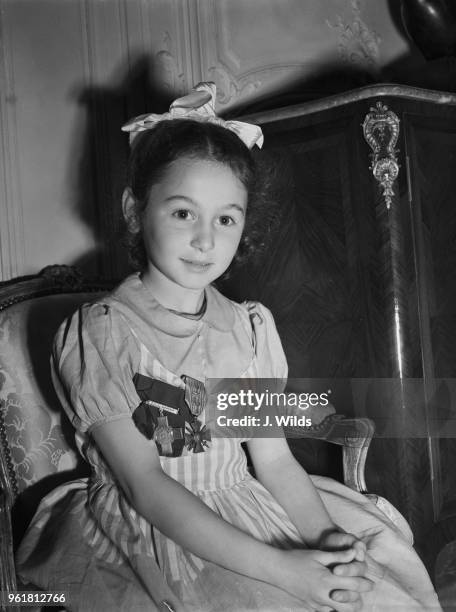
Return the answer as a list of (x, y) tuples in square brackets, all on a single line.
[(280, 473), (289, 483), (184, 518), (172, 508)]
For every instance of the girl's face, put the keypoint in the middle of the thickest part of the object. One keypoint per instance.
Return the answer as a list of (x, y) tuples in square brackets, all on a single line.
[(193, 222)]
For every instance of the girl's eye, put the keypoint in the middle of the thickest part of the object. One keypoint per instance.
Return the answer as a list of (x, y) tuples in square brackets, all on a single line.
[(226, 220), (182, 213)]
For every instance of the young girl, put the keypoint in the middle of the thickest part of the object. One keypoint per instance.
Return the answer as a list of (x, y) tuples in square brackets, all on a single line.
[(170, 518)]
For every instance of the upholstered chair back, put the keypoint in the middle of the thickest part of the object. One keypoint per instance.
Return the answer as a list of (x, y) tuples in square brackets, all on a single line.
[(37, 450)]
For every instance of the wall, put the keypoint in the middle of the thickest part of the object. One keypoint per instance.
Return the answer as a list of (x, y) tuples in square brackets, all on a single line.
[(72, 71)]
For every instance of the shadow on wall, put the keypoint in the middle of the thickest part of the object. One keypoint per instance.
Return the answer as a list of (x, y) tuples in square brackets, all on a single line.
[(97, 172)]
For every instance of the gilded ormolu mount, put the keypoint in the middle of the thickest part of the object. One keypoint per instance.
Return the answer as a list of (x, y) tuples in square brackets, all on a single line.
[(381, 131)]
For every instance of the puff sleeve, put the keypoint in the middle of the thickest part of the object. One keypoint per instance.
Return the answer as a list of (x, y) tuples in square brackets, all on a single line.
[(93, 361)]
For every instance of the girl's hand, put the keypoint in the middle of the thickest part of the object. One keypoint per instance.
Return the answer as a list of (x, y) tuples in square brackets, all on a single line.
[(306, 574), (339, 540)]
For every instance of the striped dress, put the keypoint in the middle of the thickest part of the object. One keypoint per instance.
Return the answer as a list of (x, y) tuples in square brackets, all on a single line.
[(86, 537)]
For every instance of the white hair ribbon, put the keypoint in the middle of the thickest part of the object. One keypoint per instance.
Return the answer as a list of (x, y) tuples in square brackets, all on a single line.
[(198, 105)]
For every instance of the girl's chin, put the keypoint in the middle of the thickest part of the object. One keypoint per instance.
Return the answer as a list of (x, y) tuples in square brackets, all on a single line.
[(197, 285), (192, 278)]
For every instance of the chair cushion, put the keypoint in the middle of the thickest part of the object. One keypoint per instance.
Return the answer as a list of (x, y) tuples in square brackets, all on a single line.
[(40, 437)]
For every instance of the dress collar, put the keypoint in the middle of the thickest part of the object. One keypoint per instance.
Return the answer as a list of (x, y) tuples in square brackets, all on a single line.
[(139, 298)]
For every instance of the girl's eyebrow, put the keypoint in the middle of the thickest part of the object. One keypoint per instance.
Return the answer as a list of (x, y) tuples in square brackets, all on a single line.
[(180, 197), (238, 207)]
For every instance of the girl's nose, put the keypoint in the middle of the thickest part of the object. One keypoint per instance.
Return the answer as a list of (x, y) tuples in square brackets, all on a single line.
[(203, 238)]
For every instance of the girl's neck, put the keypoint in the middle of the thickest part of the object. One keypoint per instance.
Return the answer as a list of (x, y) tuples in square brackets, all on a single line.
[(170, 295)]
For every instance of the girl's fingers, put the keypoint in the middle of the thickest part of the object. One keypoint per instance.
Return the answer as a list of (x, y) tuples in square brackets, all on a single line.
[(335, 557), (355, 568), (354, 606), (345, 540), (337, 541), (360, 585), (351, 602), (345, 596), (360, 549)]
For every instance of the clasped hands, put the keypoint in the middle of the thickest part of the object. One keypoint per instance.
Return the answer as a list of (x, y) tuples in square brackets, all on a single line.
[(338, 540), (329, 576)]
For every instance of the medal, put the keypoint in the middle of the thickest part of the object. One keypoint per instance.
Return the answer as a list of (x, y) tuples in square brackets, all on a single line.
[(168, 414), (165, 435), (162, 414), (195, 395), (197, 436)]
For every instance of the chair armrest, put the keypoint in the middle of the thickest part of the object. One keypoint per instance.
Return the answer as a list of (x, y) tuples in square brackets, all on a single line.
[(353, 434)]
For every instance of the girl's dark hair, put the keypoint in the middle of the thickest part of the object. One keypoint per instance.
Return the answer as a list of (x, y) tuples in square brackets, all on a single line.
[(153, 152)]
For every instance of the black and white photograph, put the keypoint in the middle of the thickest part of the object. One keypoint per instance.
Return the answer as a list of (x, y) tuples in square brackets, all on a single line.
[(228, 305)]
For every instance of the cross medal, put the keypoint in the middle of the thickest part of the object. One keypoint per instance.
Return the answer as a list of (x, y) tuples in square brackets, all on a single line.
[(165, 435)]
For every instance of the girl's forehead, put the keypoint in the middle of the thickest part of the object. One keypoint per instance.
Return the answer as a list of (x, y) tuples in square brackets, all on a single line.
[(196, 165), (196, 175)]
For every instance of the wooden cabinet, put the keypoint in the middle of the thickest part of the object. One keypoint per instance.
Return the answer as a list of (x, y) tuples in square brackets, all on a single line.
[(361, 279)]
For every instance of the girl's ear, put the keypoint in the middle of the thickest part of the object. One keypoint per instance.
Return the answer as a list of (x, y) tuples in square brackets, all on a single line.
[(129, 210)]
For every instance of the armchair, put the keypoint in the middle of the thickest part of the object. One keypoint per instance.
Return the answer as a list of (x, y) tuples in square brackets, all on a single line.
[(37, 451)]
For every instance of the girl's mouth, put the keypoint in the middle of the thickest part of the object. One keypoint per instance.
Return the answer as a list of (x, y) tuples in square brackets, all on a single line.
[(197, 266)]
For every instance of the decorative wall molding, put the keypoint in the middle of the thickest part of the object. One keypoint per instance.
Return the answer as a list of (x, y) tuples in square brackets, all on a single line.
[(230, 88), (12, 248), (169, 69), (220, 62), (358, 44), (226, 53)]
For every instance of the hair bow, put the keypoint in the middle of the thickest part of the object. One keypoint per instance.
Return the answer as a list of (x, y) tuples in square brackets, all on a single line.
[(198, 105)]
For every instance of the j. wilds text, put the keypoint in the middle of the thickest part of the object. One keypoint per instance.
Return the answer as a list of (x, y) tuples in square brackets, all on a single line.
[(292, 420)]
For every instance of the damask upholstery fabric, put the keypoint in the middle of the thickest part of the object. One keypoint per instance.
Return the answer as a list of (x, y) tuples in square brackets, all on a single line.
[(41, 440)]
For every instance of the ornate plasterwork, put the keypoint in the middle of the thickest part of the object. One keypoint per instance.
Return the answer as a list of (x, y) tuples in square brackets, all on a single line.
[(229, 88), (168, 72), (358, 44)]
